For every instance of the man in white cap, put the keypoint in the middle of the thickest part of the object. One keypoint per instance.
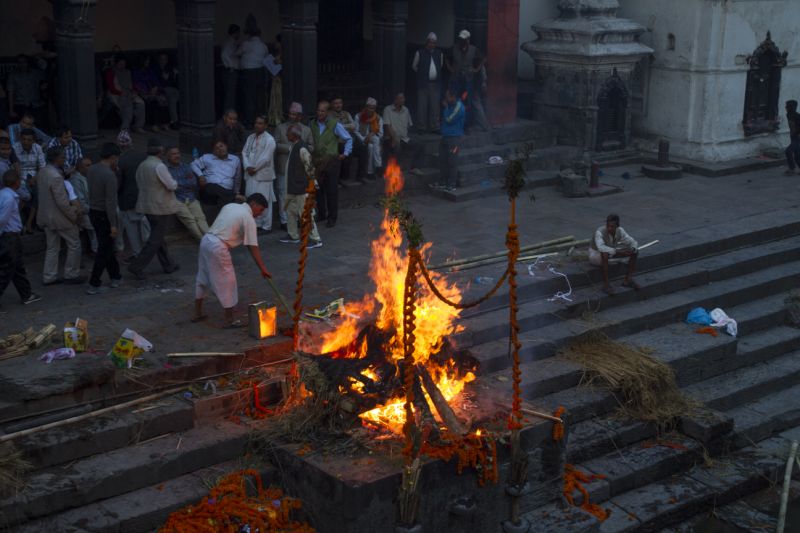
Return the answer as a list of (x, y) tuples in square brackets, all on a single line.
[(369, 130), (466, 62), (259, 168), (428, 64), (284, 146)]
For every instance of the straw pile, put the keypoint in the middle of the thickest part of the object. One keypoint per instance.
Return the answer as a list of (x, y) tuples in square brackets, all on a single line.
[(13, 467), (644, 386)]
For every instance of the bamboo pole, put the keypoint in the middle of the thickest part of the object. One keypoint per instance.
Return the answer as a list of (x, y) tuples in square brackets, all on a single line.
[(492, 261), (86, 416), (531, 412), (528, 248), (204, 354), (787, 479)]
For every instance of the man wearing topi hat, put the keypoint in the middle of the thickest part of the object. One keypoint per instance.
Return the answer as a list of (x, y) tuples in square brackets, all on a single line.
[(467, 61), (428, 63)]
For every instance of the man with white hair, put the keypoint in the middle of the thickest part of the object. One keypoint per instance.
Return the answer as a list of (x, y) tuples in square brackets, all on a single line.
[(282, 152), (259, 169), (369, 130), (466, 62), (428, 64)]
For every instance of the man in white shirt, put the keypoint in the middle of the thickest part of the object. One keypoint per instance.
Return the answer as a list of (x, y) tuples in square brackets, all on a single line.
[(397, 125), (428, 63), (231, 65), (612, 244), (259, 169), (235, 225), (252, 52), (220, 176)]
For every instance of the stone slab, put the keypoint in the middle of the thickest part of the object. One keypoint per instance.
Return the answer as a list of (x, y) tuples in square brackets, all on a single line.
[(705, 425)]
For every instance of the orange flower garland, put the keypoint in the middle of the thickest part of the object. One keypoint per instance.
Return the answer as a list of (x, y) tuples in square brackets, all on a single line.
[(558, 427), (574, 480), (473, 450)]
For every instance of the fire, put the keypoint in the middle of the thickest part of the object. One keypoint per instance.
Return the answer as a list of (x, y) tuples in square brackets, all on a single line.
[(435, 320)]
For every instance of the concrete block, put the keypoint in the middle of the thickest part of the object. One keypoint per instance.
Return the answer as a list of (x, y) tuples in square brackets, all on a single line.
[(573, 185)]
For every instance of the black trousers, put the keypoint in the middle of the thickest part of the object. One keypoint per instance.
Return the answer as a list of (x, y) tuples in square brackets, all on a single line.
[(155, 246), (448, 161), (217, 195), (106, 256), (793, 153), (12, 269), (358, 156), (328, 193)]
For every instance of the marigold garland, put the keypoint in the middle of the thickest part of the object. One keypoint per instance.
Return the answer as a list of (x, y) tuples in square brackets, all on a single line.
[(558, 427), (574, 480), (228, 508), (473, 450)]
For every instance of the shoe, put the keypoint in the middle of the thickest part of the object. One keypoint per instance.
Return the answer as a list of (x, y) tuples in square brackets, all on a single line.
[(32, 298), (58, 281), (115, 283), (97, 290), (289, 240), (331, 223), (173, 268), (262, 231), (80, 280), (136, 273), (314, 244), (283, 226)]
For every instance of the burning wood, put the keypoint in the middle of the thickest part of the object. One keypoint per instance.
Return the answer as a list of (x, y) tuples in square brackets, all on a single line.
[(442, 407)]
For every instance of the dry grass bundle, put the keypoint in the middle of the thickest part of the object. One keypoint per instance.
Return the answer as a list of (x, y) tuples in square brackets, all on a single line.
[(13, 467), (644, 386)]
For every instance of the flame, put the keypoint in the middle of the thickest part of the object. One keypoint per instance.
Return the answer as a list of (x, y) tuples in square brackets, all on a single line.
[(267, 318), (435, 320)]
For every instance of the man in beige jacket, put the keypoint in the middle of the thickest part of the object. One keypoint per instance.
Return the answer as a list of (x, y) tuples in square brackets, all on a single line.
[(157, 202), (59, 218)]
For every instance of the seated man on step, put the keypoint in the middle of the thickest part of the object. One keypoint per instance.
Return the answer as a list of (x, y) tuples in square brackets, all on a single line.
[(612, 244)]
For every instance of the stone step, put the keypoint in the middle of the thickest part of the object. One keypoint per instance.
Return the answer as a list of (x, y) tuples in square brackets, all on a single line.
[(141, 510), (121, 471), (732, 389), (640, 316), (493, 187), (704, 271), (107, 432), (766, 416)]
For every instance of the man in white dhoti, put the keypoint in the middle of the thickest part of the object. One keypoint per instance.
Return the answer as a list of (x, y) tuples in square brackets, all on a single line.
[(259, 169), (235, 225), (369, 129), (612, 244)]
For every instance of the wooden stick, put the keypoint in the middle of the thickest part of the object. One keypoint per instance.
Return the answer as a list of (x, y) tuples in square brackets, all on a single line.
[(442, 407), (531, 412), (280, 297), (204, 354), (44, 335), (528, 248), (648, 245), (426, 415), (80, 418), (787, 479), (494, 260)]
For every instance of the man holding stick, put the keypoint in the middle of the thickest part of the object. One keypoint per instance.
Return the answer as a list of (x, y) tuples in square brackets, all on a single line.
[(612, 243), (235, 225)]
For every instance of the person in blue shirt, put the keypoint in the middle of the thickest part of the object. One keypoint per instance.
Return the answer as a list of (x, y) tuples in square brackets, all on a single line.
[(12, 268), (453, 117)]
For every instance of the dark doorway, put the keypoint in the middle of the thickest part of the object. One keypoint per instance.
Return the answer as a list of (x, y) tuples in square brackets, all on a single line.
[(762, 94), (612, 114), (340, 34)]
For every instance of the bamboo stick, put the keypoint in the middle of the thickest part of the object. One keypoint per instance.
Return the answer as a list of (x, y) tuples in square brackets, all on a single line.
[(787, 479), (648, 245), (204, 354), (86, 416), (528, 248), (442, 407), (495, 260), (43, 336), (531, 412)]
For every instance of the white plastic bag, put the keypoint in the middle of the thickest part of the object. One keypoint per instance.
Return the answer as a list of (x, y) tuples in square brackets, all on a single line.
[(721, 319)]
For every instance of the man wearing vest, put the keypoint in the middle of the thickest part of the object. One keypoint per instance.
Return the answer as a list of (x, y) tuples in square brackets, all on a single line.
[(157, 202), (428, 63), (299, 169), (326, 133)]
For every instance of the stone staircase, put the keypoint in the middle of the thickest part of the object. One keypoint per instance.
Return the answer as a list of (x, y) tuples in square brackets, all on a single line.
[(749, 386)]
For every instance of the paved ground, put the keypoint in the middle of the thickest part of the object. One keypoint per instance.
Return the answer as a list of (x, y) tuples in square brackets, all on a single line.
[(160, 307)]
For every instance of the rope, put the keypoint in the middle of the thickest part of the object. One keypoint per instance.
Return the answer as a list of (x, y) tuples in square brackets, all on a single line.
[(427, 275), (305, 224), (409, 340), (512, 242), (559, 295)]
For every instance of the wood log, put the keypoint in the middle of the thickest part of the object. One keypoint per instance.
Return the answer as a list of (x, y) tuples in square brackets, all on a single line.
[(442, 407), (421, 405)]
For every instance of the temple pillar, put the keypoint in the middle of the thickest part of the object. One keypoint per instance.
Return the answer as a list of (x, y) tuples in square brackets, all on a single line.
[(390, 19), (75, 84), (195, 30), (473, 16), (299, 42), (501, 61)]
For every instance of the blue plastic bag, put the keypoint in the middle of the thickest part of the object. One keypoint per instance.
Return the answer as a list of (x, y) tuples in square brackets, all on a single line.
[(698, 315)]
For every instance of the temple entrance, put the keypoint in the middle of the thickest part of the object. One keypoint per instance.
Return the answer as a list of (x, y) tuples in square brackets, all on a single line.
[(342, 62), (612, 110), (762, 95)]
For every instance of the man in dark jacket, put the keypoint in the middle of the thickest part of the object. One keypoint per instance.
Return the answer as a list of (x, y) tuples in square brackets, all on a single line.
[(299, 169), (793, 150), (428, 63), (134, 225)]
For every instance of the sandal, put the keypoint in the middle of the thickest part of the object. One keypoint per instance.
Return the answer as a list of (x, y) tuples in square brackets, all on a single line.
[(631, 285), (236, 324)]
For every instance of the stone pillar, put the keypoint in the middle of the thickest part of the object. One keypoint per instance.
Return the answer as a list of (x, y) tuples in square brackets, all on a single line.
[(195, 29), (75, 86), (299, 41), (472, 15), (501, 61), (390, 18)]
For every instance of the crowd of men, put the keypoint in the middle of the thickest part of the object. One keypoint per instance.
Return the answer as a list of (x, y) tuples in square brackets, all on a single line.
[(120, 206)]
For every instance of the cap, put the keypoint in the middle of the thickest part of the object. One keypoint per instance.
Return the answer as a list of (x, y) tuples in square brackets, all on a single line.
[(463, 34), (372, 101), (431, 37)]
